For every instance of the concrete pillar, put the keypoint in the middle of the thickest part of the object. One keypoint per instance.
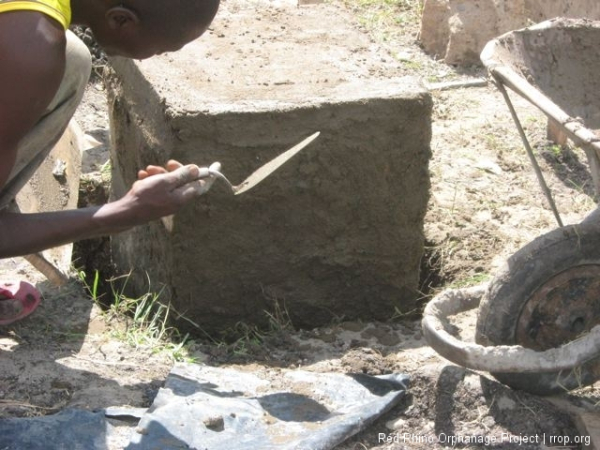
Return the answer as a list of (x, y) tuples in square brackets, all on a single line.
[(336, 232)]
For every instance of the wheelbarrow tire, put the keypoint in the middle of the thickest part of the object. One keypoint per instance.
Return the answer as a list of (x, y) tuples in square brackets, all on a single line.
[(563, 257)]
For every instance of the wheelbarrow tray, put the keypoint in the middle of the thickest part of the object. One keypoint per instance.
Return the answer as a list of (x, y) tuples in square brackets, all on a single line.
[(555, 65)]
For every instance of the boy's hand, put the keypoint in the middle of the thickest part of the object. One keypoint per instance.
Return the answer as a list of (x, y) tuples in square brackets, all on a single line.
[(201, 186), (171, 166), (161, 191)]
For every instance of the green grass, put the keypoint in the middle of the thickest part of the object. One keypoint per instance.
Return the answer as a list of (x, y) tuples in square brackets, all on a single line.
[(241, 339), (386, 18), (146, 319), (105, 170), (245, 338), (473, 280), (91, 287)]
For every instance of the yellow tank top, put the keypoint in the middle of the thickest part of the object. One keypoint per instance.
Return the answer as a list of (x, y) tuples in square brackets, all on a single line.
[(57, 9)]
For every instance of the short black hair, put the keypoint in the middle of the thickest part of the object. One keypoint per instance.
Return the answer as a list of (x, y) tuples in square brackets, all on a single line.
[(171, 16)]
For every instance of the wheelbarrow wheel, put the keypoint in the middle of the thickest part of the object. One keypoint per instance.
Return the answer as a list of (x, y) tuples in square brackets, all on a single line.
[(546, 295)]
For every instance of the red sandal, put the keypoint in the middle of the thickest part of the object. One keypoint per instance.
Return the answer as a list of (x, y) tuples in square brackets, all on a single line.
[(27, 296)]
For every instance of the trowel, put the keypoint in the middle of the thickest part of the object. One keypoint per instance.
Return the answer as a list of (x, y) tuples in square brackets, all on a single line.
[(214, 170)]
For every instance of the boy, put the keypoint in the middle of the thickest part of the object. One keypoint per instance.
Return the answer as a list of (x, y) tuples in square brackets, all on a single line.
[(44, 69)]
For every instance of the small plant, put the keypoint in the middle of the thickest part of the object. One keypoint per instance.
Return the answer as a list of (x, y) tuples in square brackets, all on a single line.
[(146, 318), (279, 318), (474, 280), (105, 170), (93, 287), (410, 64), (556, 150), (401, 315), (245, 337)]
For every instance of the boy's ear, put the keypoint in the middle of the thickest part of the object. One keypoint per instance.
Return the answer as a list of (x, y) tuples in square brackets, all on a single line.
[(120, 17)]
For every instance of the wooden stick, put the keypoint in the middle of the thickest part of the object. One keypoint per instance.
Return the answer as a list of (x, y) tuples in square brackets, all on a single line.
[(49, 270)]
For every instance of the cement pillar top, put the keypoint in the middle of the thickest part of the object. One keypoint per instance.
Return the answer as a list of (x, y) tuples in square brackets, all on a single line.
[(263, 55)]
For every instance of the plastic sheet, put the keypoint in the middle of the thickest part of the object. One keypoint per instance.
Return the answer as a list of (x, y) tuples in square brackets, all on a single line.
[(71, 429), (212, 408), (226, 409)]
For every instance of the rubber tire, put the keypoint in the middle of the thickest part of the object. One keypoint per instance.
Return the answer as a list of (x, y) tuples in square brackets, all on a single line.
[(523, 273)]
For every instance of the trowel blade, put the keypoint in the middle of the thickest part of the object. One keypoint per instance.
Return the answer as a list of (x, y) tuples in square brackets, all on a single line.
[(264, 171)]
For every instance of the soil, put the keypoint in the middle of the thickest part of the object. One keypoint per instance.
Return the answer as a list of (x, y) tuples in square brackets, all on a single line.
[(485, 204)]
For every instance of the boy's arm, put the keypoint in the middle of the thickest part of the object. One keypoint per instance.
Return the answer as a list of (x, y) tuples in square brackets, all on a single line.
[(32, 58), (32, 55), (161, 194)]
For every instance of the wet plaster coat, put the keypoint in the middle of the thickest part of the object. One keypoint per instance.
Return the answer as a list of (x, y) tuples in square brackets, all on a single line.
[(337, 232)]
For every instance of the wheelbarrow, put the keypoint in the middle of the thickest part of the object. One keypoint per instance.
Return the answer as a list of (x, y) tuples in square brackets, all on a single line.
[(538, 324)]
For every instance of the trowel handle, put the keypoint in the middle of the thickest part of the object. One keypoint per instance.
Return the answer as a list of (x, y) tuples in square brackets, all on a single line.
[(213, 172), (215, 167), (208, 175), (207, 172)]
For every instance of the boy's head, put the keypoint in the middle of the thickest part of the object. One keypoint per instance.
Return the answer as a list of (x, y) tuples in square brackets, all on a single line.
[(143, 28)]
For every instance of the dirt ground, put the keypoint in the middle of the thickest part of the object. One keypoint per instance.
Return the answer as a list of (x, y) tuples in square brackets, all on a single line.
[(485, 204)]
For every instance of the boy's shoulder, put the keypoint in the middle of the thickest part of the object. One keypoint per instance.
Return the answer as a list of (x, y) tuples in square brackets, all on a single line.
[(58, 10)]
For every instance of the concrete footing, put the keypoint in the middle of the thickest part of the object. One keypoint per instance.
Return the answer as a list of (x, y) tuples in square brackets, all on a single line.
[(338, 231)]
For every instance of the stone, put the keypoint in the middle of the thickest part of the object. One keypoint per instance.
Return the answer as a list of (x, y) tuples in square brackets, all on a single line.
[(337, 231), (435, 29)]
